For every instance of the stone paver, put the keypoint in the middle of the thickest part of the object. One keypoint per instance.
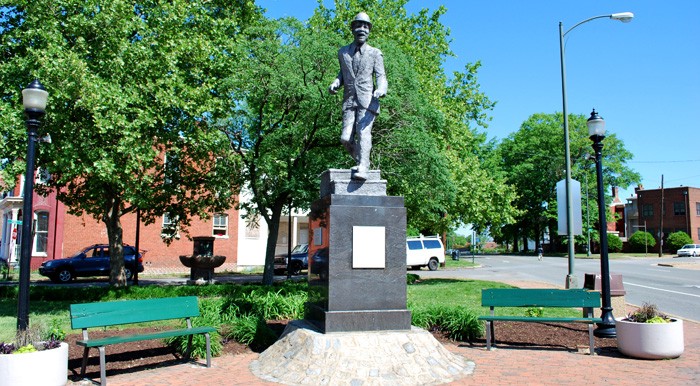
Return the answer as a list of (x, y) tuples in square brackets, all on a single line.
[(504, 366)]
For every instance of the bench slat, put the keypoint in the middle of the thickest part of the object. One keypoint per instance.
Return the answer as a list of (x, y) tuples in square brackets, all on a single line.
[(536, 297), (137, 337), (112, 313), (540, 320)]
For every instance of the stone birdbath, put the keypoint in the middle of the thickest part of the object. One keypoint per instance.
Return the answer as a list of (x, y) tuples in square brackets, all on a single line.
[(202, 261)]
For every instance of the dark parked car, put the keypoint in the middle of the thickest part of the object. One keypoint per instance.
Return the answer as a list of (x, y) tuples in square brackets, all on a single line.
[(319, 264), (300, 260), (90, 261)]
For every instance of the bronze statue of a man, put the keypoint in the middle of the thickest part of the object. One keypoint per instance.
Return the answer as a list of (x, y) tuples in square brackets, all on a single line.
[(360, 66)]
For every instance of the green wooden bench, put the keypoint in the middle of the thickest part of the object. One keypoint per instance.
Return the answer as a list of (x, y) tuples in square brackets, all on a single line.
[(103, 314), (531, 297)]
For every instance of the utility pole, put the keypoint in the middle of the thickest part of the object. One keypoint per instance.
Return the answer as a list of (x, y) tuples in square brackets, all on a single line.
[(661, 224)]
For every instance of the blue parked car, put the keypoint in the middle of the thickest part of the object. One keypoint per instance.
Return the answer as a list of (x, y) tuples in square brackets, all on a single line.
[(300, 260), (90, 261)]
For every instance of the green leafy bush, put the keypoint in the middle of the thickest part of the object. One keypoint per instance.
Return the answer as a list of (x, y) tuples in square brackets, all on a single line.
[(614, 243), (677, 240), (457, 322), (534, 312), (210, 315), (641, 241), (411, 278), (648, 313)]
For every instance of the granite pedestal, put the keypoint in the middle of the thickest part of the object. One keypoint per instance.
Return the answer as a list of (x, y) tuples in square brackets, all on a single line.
[(362, 285)]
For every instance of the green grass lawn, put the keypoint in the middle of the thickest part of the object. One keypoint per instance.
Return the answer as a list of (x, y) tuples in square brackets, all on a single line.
[(463, 262), (52, 303), (467, 294)]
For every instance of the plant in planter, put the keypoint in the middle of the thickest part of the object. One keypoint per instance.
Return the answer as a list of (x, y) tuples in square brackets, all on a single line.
[(20, 362), (649, 334)]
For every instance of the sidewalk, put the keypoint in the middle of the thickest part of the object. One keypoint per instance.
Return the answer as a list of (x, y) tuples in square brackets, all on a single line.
[(505, 366)]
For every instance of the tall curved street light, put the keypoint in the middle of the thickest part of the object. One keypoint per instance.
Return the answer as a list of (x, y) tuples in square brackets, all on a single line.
[(624, 17), (34, 99)]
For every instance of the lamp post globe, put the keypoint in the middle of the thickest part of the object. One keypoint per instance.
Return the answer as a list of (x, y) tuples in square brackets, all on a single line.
[(34, 99), (606, 327)]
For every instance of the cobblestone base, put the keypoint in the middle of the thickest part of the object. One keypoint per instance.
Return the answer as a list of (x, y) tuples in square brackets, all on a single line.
[(303, 356)]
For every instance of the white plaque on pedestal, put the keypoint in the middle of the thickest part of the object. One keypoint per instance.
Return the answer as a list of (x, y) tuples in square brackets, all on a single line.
[(368, 245)]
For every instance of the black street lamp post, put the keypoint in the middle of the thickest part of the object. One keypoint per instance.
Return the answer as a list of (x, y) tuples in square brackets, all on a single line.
[(606, 328), (34, 99)]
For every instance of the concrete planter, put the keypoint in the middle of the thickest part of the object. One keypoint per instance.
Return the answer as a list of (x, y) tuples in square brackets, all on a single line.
[(46, 368), (650, 340)]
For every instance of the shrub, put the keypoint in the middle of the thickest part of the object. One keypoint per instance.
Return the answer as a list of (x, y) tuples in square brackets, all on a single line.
[(641, 241), (411, 278), (648, 313), (458, 323), (677, 240), (614, 243), (210, 315)]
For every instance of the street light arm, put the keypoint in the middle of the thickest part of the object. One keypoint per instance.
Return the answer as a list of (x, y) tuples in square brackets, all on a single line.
[(624, 17), (585, 21)]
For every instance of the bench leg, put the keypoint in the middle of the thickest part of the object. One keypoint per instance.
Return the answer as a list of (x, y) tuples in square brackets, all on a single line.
[(591, 342), (188, 352), (489, 332), (103, 366), (84, 365), (208, 349)]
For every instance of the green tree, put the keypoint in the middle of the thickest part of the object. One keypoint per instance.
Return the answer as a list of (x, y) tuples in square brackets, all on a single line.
[(677, 240), (641, 241), (285, 126), (428, 117), (533, 160), (133, 88)]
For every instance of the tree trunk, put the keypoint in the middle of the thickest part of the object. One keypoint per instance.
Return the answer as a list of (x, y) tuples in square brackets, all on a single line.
[(273, 226), (112, 220)]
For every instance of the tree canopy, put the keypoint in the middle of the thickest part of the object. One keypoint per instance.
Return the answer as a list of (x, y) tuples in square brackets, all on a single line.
[(170, 107), (533, 160), (133, 88), (286, 126)]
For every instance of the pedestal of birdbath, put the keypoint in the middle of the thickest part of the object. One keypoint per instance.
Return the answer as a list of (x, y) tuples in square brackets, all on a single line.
[(202, 261)]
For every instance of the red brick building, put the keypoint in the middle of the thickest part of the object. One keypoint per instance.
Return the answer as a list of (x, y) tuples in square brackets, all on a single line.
[(59, 234), (670, 210)]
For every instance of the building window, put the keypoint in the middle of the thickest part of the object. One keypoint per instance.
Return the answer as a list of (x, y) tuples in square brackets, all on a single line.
[(42, 175), (647, 210), (697, 208), (252, 228), (698, 233), (679, 208), (172, 168), (220, 227), (41, 233), (169, 229)]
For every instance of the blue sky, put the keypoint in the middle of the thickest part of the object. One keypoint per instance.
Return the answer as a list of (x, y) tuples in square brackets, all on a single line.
[(643, 77)]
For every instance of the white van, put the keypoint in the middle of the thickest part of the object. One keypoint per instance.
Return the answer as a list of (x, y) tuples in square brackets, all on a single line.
[(424, 252)]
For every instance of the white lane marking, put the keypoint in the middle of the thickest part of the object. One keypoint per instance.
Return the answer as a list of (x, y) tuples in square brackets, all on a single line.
[(661, 289)]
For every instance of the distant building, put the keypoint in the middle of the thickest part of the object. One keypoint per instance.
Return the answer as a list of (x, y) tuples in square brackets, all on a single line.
[(669, 210), (59, 234)]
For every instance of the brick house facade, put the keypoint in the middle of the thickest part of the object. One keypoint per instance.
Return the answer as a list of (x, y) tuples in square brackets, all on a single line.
[(671, 210), (59, 234)]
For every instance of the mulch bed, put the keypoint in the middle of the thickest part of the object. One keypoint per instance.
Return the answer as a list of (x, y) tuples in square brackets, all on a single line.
[(139, 356)]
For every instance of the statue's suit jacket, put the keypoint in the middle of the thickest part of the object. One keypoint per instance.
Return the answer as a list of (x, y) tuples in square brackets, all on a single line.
[(358, 87)]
